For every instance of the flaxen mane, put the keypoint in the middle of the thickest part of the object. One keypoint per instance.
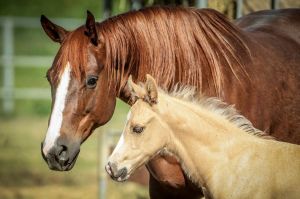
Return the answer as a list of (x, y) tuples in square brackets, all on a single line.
[(173, 44), (215, 105)]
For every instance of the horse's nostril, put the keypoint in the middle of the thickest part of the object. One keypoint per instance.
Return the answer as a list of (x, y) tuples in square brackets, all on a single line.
[(63, 161), (62, 155), (62, 150), (114, 172), (123, 172)]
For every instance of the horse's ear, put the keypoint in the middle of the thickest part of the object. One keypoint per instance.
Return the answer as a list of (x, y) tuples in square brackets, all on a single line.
[(135, 90), (90, 26), (151, 89), (55, 32)]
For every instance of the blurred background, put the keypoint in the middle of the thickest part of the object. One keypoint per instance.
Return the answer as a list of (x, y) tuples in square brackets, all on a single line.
[(25, 55)]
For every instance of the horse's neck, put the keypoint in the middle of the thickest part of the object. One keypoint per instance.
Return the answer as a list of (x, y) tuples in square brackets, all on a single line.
[(200, 139)]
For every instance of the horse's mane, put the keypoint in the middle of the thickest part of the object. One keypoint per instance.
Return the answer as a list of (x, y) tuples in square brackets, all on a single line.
[(173, 44), (213, 104)]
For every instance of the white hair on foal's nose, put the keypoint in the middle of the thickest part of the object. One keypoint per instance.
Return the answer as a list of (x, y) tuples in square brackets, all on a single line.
[(58, 108), (121, 141)]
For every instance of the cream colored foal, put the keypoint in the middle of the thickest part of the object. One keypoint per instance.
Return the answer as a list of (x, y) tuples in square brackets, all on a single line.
[(218, 148)]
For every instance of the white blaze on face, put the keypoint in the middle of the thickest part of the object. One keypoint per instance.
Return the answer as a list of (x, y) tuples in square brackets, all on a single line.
[(121, 141), (58, 108)]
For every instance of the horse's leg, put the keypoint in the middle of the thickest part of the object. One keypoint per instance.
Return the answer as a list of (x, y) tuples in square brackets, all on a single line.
[(167, 180), (159, 190), (156, 191)]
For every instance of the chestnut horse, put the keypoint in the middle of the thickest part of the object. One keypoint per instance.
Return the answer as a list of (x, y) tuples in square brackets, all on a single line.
[(253, 61)]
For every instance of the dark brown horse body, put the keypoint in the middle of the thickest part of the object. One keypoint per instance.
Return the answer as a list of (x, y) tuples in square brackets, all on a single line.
[(254, 64)]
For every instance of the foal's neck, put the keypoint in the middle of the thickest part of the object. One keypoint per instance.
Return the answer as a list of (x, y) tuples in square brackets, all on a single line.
[(200, 138)]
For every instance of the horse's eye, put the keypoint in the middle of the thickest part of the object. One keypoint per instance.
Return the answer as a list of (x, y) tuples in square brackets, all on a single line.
[(91, 81), (137, 129)]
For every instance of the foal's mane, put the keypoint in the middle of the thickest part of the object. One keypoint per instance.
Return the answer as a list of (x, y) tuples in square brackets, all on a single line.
[(173, 44), (213, 104)]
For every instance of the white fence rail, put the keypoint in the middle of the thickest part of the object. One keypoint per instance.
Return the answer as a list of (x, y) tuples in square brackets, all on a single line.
[(8, 60)]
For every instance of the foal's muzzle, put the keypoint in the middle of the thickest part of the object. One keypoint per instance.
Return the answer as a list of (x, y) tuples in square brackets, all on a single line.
[(61, 157), (115, 173)]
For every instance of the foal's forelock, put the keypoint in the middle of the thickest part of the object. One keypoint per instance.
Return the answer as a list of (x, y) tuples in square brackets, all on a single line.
[(56, 118)]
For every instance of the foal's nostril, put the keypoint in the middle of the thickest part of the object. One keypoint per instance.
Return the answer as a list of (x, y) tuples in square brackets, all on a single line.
[(122, 172), (114, 172)]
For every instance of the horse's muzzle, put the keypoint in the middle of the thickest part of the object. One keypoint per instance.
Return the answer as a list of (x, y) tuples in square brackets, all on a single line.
[(115, 173), (61, 157)]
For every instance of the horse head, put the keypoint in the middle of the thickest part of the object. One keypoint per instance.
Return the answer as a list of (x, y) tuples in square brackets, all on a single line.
[(145, 133), (82, 97)]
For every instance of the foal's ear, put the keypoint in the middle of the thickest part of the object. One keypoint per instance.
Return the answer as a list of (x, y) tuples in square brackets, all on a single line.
[(151, 89), (90, 26), (55, 32), (136, 91)]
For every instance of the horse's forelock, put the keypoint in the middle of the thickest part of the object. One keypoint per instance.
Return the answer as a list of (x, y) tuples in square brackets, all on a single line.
[(74, 50)]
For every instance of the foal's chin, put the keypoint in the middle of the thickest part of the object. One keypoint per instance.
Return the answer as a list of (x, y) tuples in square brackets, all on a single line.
[(121, 179)]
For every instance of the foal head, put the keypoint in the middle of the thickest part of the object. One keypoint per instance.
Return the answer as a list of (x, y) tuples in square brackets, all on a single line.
[(82, 98), (144, 135)]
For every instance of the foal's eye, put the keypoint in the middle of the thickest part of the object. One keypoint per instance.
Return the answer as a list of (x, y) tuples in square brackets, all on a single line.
[(137, 129), (91, 81)]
